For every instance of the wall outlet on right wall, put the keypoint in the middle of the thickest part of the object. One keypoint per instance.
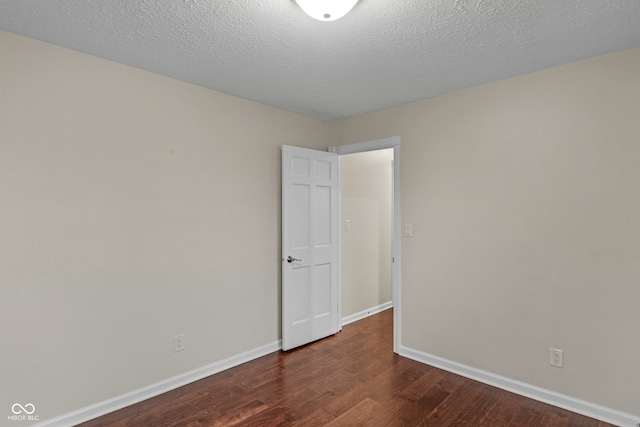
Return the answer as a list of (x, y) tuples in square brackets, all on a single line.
[(556, 357)]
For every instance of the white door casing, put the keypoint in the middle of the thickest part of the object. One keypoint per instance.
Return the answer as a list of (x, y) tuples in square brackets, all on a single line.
[(309, 246)]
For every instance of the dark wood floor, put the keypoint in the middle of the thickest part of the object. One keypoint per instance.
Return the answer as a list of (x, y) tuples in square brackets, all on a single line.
[(351, 379)]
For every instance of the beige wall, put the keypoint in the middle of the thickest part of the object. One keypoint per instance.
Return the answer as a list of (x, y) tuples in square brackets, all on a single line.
[(366, 247), (525, 200), (133, 207)]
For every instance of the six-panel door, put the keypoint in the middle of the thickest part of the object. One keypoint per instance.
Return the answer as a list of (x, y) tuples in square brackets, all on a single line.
[(309, 245)]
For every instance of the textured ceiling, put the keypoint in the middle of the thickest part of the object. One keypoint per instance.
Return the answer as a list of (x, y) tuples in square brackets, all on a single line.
[(382, 54)]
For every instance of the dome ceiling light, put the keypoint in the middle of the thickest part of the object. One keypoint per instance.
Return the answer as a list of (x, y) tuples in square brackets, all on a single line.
[(326, 10)]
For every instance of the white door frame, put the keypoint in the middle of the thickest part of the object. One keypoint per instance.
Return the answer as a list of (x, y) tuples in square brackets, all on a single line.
[(396, 270)]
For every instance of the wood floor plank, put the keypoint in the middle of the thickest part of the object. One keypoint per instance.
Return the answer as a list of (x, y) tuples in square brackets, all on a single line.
[(355, 415), (501, 413), (385, 414), (556, 417), (374, 381), (529, 414), (238, 415), (317, 418), (398, 379), (473, 406), (350, 379), (273, 417), (578, 420), (424, 406), (450, 408), (422, 385)]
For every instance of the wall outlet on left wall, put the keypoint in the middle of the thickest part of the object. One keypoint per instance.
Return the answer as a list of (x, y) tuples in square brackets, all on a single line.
[(178, 343)]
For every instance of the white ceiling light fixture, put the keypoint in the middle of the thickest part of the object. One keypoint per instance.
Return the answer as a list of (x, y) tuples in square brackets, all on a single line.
[(326, 10)]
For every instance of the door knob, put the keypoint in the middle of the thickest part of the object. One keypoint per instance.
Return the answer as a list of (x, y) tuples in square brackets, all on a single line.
[(290, 259)]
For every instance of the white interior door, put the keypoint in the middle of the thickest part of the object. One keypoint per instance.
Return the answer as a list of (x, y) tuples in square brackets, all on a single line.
[(309, 245)]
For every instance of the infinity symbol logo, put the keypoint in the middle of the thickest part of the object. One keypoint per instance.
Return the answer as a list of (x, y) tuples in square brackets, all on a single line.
[(28, 409)]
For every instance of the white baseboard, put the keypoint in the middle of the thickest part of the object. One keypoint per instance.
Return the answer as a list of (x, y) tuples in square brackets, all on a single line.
[(569, 403), (122, 401), (366, 313)]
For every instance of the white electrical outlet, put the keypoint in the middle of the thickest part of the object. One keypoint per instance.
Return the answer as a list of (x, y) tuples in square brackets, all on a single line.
[(178, 343), (556, 357)]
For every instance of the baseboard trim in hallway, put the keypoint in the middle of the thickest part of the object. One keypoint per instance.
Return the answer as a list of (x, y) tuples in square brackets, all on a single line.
[(366, 313)]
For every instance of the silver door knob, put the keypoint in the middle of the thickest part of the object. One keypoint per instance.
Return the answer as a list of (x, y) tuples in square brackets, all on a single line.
[(290, 259)]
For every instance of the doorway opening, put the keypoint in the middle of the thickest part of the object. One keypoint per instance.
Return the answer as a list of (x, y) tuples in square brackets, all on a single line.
[(348, 248), (367, 196)]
